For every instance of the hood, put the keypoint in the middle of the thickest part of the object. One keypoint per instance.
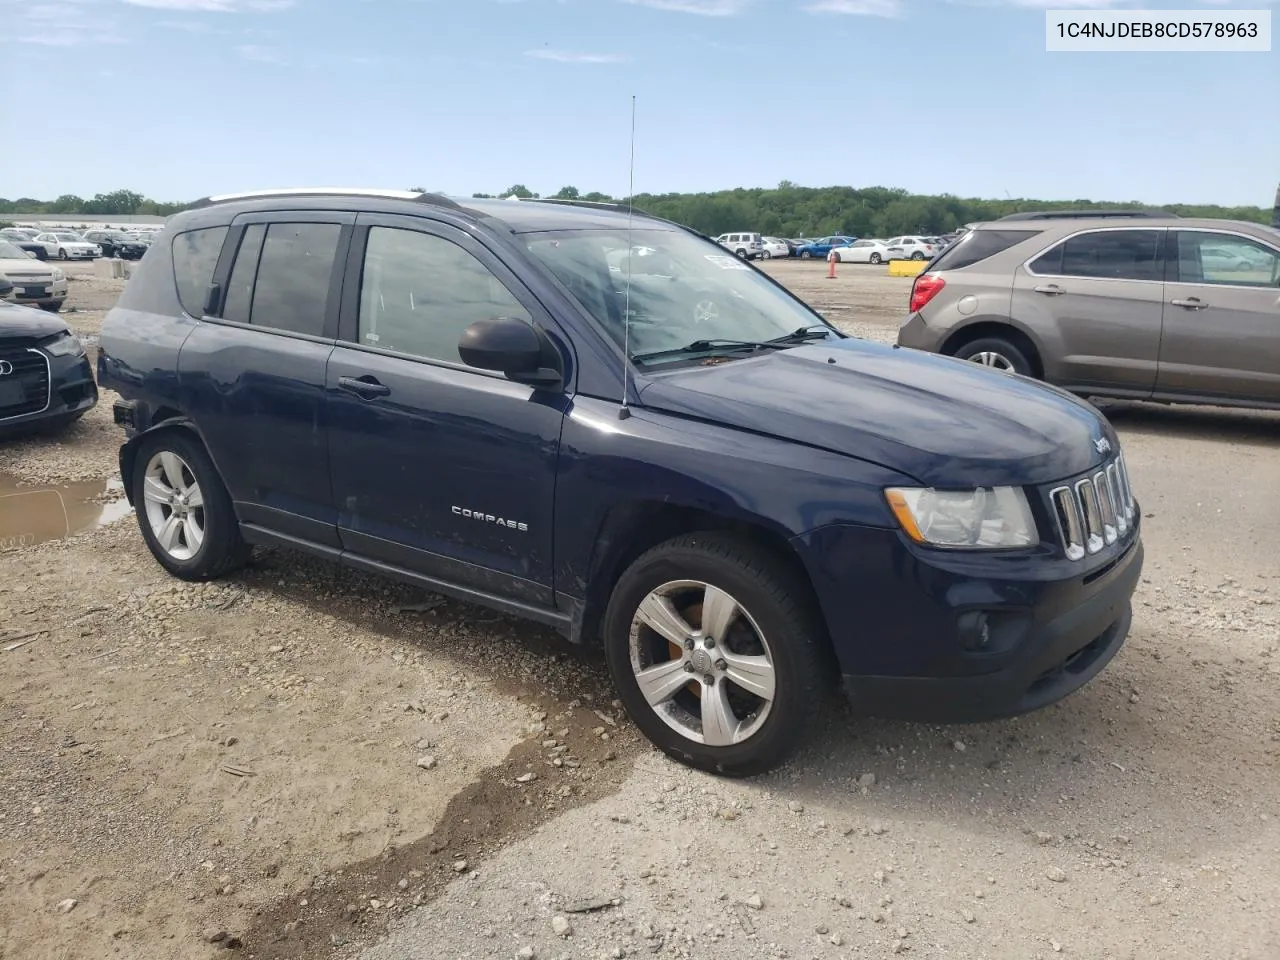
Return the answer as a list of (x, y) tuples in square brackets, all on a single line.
[(28, 268), (942, 421), (27, 323)]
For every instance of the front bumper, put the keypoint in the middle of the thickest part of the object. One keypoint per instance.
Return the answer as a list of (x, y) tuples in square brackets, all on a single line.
[(39, 292), (71, 392), (905, 638)]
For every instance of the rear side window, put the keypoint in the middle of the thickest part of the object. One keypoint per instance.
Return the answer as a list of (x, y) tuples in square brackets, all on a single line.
[(978, 245), (281, 276), (1105, 255), (195, 254)]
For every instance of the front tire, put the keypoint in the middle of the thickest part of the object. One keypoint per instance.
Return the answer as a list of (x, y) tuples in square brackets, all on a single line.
[(62, 254), (716, 653), (766, 255), (183, 509), (805, 255)]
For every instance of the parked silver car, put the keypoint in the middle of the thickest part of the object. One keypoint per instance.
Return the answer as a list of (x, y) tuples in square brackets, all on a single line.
[(1154, 308)]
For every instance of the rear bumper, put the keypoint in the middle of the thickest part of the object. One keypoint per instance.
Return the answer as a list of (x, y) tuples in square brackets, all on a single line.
[(913, 333)]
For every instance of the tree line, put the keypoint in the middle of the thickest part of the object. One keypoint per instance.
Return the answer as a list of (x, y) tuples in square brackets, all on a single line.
[(787, 210)]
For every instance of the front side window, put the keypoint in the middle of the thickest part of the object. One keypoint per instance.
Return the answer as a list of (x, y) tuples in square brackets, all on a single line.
[(683, 290), (195, 255), (1226, 259), (1105, 255), (419, 292)]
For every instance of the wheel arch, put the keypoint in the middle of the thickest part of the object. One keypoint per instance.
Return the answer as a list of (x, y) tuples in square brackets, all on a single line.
[(163, 420), (630, 529), (981, 327)]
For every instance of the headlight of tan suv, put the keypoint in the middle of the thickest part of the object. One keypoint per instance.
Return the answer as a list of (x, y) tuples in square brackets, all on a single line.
[(988, 518), (64, 345)]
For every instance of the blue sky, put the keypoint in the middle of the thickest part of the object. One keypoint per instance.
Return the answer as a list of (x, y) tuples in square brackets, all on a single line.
[(951, 96)]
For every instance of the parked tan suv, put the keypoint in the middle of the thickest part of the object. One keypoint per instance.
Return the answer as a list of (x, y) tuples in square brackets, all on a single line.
[(1156, 308)]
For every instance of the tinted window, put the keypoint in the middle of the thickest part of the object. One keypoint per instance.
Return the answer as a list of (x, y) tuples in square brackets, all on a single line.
[(1106, 255), (290, 286), (1225, 259), (978, 246), (195, 254), (293, 276), (240, 287), (419, 292)]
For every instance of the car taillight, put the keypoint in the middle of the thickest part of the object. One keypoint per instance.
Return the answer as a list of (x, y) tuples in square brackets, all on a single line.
[(924, 289)]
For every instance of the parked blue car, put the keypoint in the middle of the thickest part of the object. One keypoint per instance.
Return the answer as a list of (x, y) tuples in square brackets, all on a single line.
[(822, 246), (615, 427)]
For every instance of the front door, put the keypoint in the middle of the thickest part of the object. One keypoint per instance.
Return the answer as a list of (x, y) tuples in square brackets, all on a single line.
[(1222, 319), (439, 468), (1096, 298)]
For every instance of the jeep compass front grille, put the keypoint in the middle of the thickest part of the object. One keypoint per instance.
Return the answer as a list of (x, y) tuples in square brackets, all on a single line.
[(1093, 511)]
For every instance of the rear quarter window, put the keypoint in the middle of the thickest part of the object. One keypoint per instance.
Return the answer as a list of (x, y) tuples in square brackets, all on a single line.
[(979, 245), (195, 254)]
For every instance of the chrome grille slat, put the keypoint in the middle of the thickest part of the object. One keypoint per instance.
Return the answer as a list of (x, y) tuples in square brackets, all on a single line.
[(1094, 511)]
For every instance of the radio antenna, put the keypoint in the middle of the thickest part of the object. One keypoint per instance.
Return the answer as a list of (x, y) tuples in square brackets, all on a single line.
[(625, 411)]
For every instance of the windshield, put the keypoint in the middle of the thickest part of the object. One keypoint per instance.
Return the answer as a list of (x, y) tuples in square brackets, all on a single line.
[(683, 289), (67, 236), (9, 252)]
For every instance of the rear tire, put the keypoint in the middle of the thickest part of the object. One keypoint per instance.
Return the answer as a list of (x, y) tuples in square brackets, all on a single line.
[(769, 631), (192, 542), (997, 354), (876, 259), (917, 255), (766, 255), (805, 255)]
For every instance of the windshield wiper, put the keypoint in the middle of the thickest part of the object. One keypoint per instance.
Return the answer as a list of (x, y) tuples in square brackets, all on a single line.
[(718, 344), (814, 331)]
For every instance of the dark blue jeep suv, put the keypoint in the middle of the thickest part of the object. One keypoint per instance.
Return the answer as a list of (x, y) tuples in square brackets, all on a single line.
[(606, 423)]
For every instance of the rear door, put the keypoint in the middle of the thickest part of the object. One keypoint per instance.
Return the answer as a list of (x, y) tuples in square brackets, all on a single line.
[(254, 371), (439, 468), (1095, 300), (1221, 318)]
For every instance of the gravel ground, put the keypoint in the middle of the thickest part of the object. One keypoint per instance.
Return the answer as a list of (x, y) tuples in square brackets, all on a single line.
[(291, 764)]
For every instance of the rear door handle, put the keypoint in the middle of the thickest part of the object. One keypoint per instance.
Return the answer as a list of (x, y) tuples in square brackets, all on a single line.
[(1052, 289), (1191, 303), (366, 387)]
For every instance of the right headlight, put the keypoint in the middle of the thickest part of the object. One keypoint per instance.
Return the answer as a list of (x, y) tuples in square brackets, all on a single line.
[(58, 275), (986, 518)]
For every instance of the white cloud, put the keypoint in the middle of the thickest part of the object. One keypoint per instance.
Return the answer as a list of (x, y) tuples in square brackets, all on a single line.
[(861, 8), (568, 56), (65, 23), (703, 8)]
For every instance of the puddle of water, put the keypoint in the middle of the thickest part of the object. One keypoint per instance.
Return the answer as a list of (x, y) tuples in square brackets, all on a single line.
[(30, 515)]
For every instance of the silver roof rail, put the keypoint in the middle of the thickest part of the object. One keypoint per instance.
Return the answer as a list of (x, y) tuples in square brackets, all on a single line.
[(432, 198)]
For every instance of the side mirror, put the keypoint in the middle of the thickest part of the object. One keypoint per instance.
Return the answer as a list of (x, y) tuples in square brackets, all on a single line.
[(511, 347)]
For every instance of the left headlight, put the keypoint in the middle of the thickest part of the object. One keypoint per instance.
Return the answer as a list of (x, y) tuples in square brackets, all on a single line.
[(64, 345), (58, 275), (988, 518)]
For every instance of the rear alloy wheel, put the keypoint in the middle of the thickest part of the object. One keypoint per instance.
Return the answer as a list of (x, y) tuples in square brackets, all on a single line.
[(917, 255), (766, 255), (996, 353), (183, 509), (805, 254), (716, 654), (875, 258)]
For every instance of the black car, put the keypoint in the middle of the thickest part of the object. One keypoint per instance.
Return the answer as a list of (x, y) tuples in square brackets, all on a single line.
[(117, 244), (609, 424), (25, 243), (46, 380)]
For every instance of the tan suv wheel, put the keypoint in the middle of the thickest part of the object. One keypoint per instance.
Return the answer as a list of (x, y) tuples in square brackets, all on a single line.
[(996, 353)]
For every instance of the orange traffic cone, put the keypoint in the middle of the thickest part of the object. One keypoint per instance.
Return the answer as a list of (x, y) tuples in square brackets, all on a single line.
[(831, 265)]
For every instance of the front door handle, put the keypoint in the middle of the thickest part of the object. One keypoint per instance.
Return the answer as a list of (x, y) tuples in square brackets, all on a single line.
[(1051, 289), (1191, 303), (366, 387)]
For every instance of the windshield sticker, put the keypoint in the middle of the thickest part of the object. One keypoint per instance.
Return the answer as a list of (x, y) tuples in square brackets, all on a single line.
[(726, 262)]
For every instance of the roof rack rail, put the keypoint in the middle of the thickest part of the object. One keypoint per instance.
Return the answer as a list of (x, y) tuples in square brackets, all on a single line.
[(598, 204), (1086, 214), (432, 198)]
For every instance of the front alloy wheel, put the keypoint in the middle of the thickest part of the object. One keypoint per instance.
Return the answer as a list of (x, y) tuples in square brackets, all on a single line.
[(702, 663), (717, 651)]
